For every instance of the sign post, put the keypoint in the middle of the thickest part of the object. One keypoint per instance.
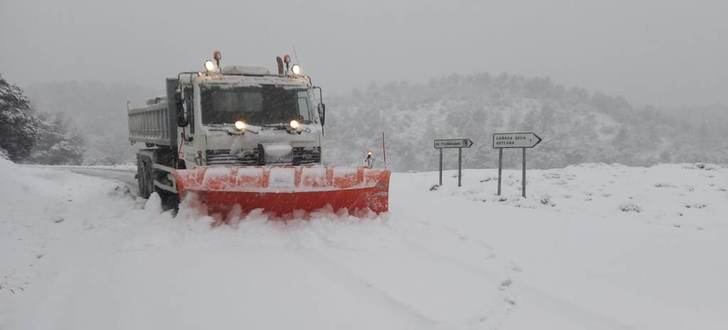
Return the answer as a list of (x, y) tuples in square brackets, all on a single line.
[(460, 167), (521, 140), (523, 175), (441, 166), (500, 168), (453, 143)]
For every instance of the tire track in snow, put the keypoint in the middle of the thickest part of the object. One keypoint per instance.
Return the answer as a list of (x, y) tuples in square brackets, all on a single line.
[(521, 290), (528, 294), (122, 176), (351, 281), (125, 176), (557, 305), (492, 318)]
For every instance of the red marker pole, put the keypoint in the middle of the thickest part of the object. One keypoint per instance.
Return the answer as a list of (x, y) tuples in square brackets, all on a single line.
[(384, 151)]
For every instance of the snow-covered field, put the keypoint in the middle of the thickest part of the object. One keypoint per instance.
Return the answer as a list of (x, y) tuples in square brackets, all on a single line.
[(593, 247)]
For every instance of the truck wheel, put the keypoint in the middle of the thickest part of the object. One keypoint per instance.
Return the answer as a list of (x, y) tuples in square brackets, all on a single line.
[(144, 176), (170, 201)]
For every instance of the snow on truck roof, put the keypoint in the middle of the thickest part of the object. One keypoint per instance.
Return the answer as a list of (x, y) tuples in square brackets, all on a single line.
[(240, 75), (253, 80), (241, 69)]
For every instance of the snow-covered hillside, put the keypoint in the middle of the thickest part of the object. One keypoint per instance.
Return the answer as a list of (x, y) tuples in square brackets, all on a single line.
[(593, 247), (577, 125)]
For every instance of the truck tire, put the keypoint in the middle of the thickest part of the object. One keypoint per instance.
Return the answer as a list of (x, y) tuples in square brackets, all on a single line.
[(147, 174), (170, 201), (144, 176)]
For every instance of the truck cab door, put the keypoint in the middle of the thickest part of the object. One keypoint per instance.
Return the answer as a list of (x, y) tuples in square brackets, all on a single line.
[(187, 129)]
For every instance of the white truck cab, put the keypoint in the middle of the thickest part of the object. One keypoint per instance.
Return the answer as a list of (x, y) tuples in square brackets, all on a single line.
[(227, 116), (246, 116)]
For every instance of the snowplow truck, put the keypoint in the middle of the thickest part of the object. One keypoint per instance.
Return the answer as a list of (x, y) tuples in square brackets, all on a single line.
[(240, 138)]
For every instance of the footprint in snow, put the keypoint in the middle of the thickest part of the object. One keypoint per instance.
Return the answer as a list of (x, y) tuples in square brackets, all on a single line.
[(628, 207), (505, 284)]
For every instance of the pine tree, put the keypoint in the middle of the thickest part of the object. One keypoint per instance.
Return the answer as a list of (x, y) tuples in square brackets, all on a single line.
[(57, 142), (18, 126), (32, 137)]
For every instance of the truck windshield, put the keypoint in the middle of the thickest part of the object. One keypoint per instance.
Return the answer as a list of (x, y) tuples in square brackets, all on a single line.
[(263, 105)]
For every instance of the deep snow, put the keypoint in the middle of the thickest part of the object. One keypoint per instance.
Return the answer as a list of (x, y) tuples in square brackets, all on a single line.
[(593, 247)]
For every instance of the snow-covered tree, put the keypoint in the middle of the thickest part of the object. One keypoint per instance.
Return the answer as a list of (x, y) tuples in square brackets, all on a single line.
[(18, 126), (28, 136), (58, 143), (97, 111)]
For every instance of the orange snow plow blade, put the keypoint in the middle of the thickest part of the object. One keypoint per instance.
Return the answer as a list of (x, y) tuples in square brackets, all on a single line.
[(283, 190)]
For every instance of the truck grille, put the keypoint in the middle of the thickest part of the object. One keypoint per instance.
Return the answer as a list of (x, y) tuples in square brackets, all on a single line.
[(303, 156), (223, 157)]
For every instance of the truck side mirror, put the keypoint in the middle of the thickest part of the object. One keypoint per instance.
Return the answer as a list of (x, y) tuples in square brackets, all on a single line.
[(322, 113)]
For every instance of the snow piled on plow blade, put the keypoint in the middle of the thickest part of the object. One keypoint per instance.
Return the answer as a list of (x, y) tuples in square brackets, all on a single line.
[(286, 189)]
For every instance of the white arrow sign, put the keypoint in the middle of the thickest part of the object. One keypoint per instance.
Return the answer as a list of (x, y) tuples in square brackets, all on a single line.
[(515, 140), (453, 143)]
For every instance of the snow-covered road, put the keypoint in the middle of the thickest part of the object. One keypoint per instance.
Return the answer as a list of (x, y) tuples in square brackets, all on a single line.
[(594, 247)]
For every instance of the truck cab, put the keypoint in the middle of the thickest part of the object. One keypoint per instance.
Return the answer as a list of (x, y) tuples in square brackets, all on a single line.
[(240, 115), (225, 117), (240, 138)]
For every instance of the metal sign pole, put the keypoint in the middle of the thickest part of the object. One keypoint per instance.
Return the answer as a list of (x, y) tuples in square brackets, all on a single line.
[(441, 166), (453, 143), (523, 179), (500, 168), (523, 140), (460, 166)]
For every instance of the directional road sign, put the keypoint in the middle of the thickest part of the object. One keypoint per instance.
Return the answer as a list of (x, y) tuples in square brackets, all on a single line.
[(521, 140), (453, 143), (515, 140)]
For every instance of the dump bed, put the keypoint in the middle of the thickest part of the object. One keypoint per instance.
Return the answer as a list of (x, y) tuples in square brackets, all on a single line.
[(155, 123)]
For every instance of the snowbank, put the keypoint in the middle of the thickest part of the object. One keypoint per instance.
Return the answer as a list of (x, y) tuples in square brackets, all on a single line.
[(82, 253)]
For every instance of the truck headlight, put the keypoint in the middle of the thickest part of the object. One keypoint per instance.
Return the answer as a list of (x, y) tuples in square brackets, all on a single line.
[(295, 124), (296, 69), (240, 125), (210, 66)]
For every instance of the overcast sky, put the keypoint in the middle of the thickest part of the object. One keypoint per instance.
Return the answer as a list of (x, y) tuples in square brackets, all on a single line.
[(660, 52)]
